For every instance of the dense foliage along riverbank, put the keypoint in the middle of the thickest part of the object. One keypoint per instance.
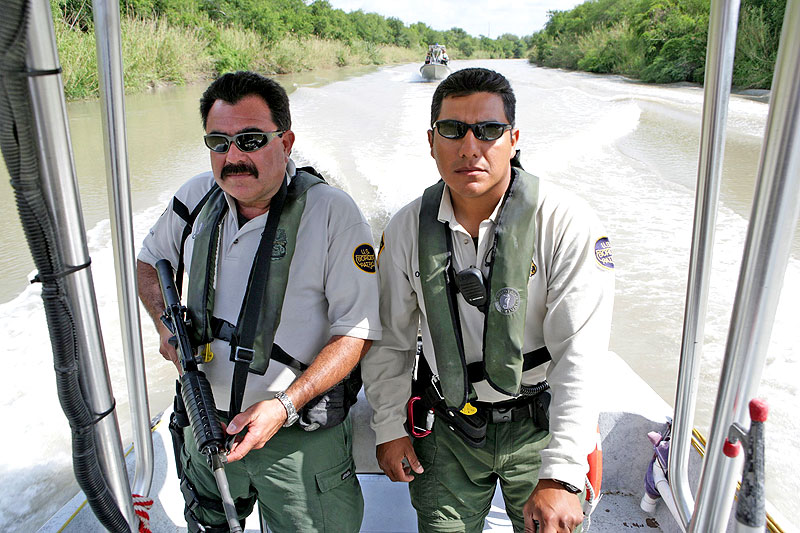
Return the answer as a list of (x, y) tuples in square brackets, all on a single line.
[(658, 40), (175, 41)]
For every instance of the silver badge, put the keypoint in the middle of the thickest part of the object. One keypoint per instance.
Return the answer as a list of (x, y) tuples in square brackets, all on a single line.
[(506, 300)]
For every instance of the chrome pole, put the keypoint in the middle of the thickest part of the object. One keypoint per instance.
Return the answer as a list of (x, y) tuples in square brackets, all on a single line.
[(112, 87), (61, 187), (723, 19), (772, 222)]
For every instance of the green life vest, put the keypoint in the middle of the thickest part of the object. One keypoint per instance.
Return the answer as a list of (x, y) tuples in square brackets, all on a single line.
[(200, 297), (506, 286)]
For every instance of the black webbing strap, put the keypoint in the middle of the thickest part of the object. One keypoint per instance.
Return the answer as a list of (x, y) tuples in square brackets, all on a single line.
[(224, 330), (244, 336), (182, 211), (477, 372)]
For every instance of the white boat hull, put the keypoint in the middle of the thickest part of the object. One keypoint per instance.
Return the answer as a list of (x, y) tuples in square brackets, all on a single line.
[(434, 71)]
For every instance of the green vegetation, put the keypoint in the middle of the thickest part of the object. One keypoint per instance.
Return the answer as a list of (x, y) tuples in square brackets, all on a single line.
[(176, 41), (657, 40)]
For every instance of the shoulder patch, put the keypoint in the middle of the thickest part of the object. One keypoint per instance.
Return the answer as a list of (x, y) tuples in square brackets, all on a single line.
[(364, 257), (533, 268), (602, 252), (380, 248)]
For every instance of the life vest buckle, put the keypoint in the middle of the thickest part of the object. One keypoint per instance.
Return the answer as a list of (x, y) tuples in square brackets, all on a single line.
[(242, 355)]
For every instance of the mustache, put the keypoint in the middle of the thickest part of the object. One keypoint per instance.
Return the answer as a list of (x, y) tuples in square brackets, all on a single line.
[(239, 168)]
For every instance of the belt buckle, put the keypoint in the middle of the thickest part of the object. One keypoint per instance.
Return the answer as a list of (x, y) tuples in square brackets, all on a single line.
[(501, 415)]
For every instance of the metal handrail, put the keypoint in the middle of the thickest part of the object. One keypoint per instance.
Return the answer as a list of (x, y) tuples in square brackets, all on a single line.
[(58, 171), (768, 247), (110, 74), (723, 19)]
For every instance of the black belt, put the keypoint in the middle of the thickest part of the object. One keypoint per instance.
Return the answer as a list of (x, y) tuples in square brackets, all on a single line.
[(510, 411)]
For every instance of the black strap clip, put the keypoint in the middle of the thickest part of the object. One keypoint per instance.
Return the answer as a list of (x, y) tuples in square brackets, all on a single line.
[(242, 355)]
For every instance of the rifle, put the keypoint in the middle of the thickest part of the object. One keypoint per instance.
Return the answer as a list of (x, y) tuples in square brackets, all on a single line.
[(196, 392)]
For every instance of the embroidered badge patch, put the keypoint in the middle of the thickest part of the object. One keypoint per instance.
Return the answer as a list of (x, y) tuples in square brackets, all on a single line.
[(506, 300), (533, 269), (279, 246), (364, 258), (602, 252)]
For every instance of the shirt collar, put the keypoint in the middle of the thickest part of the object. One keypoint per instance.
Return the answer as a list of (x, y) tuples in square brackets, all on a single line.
[(447, 215)]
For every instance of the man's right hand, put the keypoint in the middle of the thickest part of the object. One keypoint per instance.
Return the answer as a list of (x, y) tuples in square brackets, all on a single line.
[(390, 458), (168, 351)]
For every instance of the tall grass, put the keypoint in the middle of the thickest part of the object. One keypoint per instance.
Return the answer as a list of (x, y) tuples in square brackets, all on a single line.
[(155, 52)]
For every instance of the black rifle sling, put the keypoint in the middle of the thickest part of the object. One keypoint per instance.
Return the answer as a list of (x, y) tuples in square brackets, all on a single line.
[(244, 337)]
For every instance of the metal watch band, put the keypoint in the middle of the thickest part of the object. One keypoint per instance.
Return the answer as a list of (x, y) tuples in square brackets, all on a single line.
[(291, 412)]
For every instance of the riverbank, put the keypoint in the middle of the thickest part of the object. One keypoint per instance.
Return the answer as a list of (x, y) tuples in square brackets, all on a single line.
[(156, 53)]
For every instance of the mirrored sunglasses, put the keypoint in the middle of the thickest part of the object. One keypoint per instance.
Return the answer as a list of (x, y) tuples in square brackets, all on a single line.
[(483, 131), (249, 141)]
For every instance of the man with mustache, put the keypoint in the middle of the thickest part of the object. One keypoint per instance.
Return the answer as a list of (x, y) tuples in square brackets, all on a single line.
[(510, 281), (278, 358)]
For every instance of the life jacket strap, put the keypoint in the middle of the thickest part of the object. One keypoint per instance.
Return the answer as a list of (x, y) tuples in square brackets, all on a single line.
[(477, 370), (223, 330), (189, 217)]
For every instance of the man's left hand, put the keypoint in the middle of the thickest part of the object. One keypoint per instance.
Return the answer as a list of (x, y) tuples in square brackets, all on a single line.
[(262, 420), (555, 509)]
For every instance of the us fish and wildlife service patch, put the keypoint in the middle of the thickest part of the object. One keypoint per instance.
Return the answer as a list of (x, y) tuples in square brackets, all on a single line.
[(364, 258), (602, 252), (533, 268)]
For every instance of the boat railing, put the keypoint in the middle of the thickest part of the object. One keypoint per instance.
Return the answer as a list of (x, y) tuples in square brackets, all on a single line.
[(773, 219), (717, 89), (59, 181), (112, 88)]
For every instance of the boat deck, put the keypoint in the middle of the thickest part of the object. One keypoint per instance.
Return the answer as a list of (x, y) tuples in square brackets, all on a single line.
[(629, 413)]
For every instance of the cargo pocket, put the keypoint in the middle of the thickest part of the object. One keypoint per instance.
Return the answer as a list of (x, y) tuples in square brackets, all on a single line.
[(340, 498)]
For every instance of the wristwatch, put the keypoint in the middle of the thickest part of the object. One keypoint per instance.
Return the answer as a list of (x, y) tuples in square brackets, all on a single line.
[(291, 412), (567, 486)]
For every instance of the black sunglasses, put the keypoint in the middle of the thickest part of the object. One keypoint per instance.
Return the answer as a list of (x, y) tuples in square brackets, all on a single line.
[(483, 131), (249, 141)]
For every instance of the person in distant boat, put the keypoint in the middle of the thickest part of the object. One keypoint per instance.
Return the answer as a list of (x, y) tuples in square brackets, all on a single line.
[(445, 58), (270, 363), (510, 281)]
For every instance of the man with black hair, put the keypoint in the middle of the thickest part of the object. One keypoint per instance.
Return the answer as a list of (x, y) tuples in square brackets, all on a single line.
[(510, 281), (279, 368)]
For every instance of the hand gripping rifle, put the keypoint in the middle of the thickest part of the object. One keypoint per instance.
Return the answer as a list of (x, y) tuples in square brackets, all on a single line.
[(196, 393)]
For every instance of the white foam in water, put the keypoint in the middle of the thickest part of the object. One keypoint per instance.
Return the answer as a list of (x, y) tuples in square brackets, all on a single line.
[(38, 481)]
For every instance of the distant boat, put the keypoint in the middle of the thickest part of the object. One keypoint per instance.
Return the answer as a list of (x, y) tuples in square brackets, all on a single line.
[(434, 71), (435, 67)]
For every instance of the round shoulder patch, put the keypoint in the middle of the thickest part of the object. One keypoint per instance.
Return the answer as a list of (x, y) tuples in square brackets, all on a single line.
[(364, 257), (602, 252)]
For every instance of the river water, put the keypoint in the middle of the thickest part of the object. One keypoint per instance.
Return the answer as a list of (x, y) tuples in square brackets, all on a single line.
[(629, 149)]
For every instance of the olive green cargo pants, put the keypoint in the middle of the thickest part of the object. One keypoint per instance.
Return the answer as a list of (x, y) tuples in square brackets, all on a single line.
[(455, 492), (304, 481)]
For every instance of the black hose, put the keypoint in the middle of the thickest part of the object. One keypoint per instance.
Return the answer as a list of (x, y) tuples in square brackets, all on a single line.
[(18, 144)]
